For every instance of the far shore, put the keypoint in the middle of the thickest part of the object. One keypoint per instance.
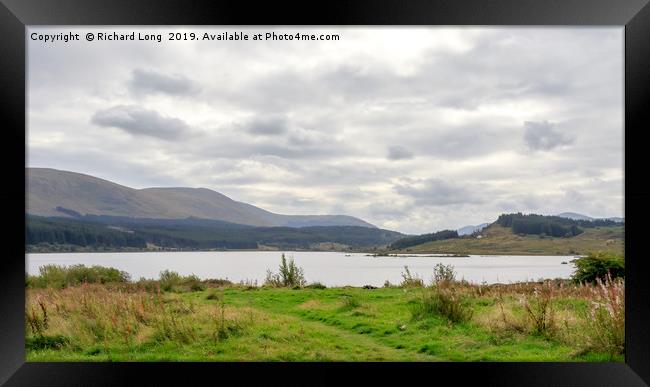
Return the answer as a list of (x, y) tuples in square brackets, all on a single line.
[(356, 253)]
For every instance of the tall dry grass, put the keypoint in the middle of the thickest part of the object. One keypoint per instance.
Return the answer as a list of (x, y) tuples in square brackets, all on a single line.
[(606, 316), (588, 317), (89, 315)]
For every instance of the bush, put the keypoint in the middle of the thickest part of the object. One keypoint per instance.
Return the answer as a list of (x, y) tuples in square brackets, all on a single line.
[(61, 276), (443, 274), (410, 281), (598, 266), (441, 302), (172, 281), (169, 280), (194, 283), (290, 275)]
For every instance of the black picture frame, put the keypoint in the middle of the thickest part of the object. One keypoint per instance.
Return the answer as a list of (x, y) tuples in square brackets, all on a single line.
[(634, 15)]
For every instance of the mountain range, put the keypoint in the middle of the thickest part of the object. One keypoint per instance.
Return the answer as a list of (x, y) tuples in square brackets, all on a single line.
[(57, 193)]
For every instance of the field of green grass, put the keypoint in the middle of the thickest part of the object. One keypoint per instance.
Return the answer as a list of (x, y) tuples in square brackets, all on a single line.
[(500, 240), (128, 322)]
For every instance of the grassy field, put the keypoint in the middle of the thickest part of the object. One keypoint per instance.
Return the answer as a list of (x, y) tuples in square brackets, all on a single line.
[(500, 240), (132, 322)]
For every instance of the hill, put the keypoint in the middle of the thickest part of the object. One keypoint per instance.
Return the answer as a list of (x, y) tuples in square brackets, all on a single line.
[(574, 216), (55, 193), (105, 233), (497, 239)]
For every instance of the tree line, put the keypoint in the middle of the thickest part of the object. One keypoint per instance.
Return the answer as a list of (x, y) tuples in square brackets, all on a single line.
[(94, 232), (555, 226), (424, 238)]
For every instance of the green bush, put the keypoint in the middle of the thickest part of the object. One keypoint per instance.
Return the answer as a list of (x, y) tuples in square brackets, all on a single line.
[(598, 266), (290, 275), (443, 274), (57, 276), (171, 281), (194, 283), (409, 280)]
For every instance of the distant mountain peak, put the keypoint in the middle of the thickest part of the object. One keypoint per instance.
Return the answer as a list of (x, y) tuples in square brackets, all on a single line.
[(468, 230), (50, 190), (576, 216)]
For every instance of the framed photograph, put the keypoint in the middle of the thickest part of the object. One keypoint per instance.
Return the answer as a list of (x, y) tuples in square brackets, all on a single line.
[(388, 190)]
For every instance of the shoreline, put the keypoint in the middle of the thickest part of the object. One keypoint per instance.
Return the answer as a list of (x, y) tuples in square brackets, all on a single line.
[(347, 253)]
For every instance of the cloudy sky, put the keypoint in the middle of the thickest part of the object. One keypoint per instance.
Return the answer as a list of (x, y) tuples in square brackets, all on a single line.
[(411, 129)]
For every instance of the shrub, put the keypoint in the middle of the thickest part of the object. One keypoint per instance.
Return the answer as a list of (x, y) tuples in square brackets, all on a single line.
[(598, 266), (444, 302), (290, 275), (169, 280), (57, 276), (443, 274), (606, 316), (194, 283), (410, 281), (172, 281)]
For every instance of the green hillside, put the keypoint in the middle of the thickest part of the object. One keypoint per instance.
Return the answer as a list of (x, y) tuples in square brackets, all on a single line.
[(497, 239)]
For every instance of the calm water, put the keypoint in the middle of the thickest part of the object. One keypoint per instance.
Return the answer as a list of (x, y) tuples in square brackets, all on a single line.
[(329, 268)]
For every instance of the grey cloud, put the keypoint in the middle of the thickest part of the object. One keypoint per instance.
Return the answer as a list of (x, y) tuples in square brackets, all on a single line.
[(437, 192), (269, 125), (543, 136), (398, 152), (239, 148), (139, 121), (389, 210), (329, 121), (143, 81)]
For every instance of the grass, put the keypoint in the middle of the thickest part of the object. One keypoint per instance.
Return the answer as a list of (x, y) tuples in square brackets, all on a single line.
[(232, 322), (500, 240)]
